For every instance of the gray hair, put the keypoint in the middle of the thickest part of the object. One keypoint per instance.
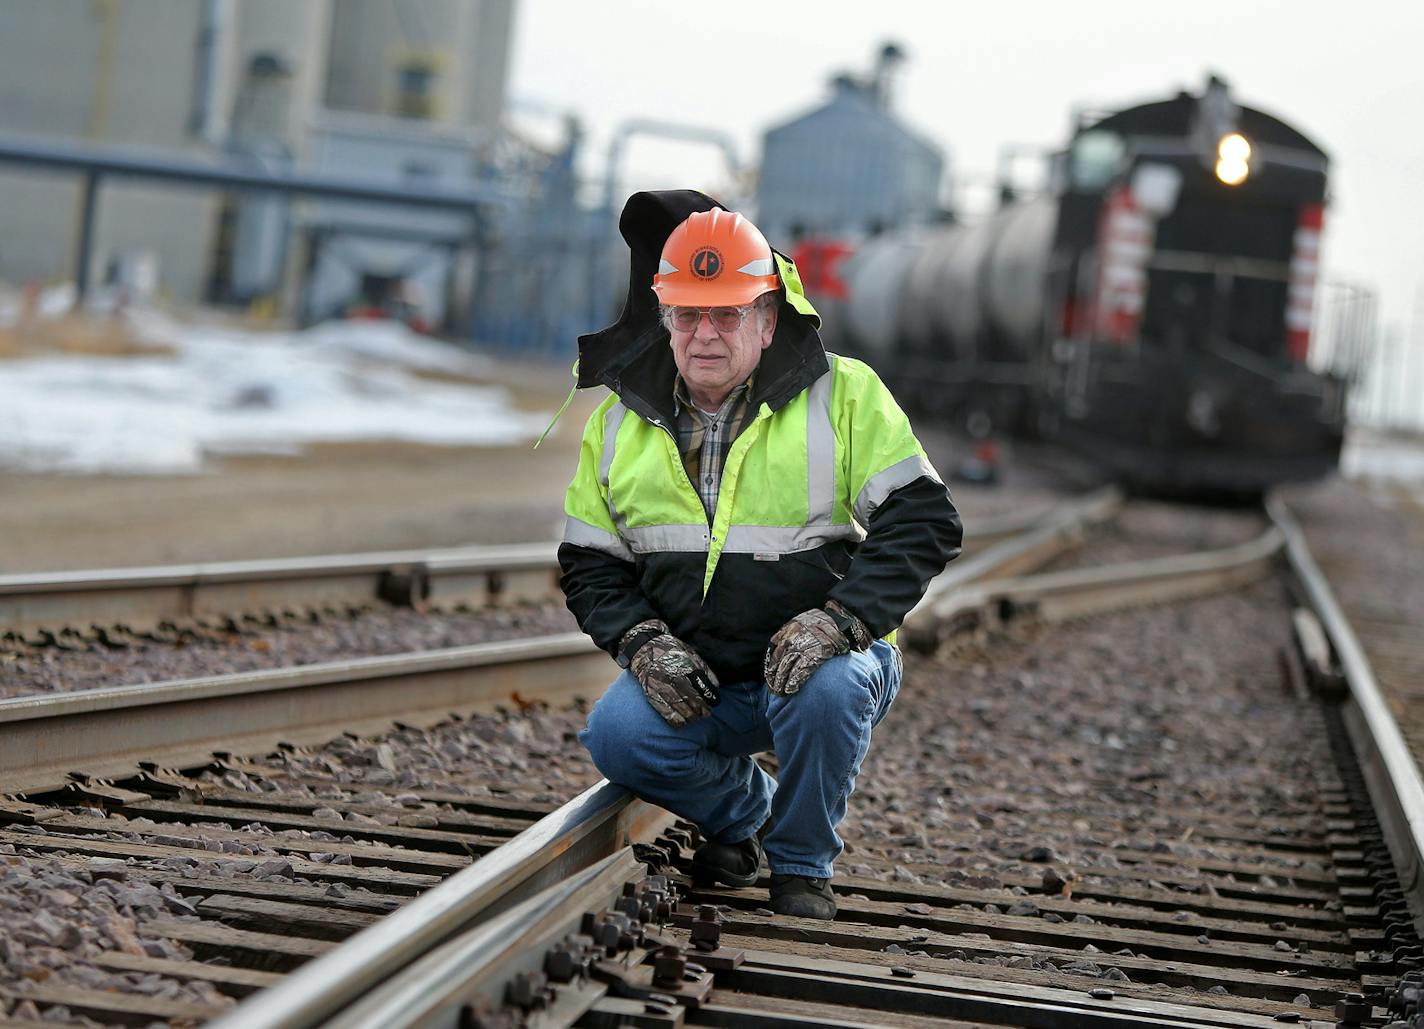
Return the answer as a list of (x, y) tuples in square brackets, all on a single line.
[(768, 301)]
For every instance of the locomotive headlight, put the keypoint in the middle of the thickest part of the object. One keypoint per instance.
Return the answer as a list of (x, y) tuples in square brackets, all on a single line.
[(1233, 159), (1233, 173), (1234, 147)]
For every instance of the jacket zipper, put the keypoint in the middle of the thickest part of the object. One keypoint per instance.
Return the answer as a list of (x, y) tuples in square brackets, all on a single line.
[(677, 453)]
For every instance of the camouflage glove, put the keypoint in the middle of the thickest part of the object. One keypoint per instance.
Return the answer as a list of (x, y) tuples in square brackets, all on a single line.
[(675, 679), (804, 643)]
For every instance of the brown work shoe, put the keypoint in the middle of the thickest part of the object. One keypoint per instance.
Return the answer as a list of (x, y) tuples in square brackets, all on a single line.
[(731, 864), (802, 896)]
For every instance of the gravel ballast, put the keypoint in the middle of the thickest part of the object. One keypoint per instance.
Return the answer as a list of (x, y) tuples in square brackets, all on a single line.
[(62, 914), (1058, 754), (1062, 754), (288, 643)]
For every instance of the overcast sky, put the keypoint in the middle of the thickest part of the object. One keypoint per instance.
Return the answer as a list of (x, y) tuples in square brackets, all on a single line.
[(1349, 75)]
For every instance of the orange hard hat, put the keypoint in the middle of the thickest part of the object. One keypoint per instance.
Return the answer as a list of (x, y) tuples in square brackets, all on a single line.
[(715, 258)]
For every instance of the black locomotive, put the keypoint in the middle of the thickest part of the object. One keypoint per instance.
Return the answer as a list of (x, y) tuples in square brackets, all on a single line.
[(1152, 308)]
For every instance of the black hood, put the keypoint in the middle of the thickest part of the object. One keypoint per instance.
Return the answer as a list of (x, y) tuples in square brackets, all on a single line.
[(632, 356)]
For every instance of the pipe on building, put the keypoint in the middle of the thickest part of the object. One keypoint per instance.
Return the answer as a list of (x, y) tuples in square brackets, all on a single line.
[(214, 23)]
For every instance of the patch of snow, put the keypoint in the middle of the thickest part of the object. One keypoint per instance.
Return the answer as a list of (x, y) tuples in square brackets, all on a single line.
[(226, 391), (48, 302), (1383, 458), (57, 300)]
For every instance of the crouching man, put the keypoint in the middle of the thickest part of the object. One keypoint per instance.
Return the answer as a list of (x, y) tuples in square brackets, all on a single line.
[(750, 521)]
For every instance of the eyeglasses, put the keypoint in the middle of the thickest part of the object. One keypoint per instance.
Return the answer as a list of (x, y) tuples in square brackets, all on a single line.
[(724, 319)]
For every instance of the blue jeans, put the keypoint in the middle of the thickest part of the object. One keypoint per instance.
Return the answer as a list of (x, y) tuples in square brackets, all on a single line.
[(704, 772)]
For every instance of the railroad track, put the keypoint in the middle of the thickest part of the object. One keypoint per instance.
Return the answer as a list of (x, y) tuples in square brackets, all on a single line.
[(1325, 923), (1290, 912), (105, 732), (146, 786), (115, 605)]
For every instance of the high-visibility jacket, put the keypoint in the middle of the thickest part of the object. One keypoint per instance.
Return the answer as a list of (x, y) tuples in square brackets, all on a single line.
[(825, 494)]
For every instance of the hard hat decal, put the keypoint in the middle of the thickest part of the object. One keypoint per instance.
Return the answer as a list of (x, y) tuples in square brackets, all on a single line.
[(761, 266), (707, 263), (666, 267)]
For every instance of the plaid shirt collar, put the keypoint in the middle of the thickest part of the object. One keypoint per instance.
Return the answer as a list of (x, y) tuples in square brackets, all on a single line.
[(704, 439), (682, 400)]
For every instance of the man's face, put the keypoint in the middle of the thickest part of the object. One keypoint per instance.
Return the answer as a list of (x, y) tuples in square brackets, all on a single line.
[(714, 361)]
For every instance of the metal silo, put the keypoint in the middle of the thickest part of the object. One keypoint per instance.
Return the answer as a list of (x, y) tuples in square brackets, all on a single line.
[(849, 167)]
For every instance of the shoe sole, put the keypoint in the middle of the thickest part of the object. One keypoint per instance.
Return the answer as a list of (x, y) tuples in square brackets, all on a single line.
[(819, 915)]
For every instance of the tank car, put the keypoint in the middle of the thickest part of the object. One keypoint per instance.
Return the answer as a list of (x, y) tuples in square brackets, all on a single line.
[(1152, 308)]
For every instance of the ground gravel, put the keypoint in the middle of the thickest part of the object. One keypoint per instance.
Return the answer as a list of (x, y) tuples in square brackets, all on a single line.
[(533, 751), (1063, 752), (59, 912), (55, 920), (289, 642), (966, 783), (1116, 721)]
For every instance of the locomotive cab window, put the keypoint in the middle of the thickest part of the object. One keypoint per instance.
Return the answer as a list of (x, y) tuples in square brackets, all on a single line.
[(1096, 159)]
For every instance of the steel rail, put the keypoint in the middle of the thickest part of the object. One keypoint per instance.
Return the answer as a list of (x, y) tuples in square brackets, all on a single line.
[(141, 598), (984, 530), (107, 731), (1050, 534), (1054, 531), (587, 830), (480, 962), (1058, 595), (1391, 773)]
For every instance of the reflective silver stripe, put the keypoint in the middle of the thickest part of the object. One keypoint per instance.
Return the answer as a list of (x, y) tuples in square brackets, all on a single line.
[(782, 539), (883, 483), (580, 533), (679, 539), (612, 422), (820, 452), (747, 539), (741, 539)]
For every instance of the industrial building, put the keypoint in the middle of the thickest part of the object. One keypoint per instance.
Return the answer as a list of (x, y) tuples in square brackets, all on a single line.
[(849, 167), (398, 91)]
